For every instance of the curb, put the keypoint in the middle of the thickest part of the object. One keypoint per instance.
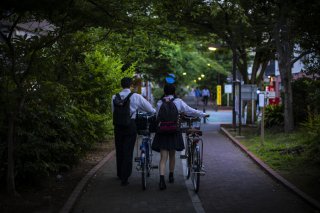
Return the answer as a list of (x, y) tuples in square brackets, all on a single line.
[(78, 189), (271, 172)]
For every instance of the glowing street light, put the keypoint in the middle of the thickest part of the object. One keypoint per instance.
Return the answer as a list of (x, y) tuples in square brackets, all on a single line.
[(212, 48), (209, 65), (202, 75), (195, 81), (184, 73), (199, 78)]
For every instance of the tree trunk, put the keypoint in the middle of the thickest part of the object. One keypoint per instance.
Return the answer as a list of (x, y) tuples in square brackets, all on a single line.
[(11, 188), (286, 77), (285, 48)]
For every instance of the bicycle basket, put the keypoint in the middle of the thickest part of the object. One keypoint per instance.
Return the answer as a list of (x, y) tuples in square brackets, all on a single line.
[(142, 120)]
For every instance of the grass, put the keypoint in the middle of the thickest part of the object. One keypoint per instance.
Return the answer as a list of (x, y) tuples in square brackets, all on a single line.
[(286, 154), (280, 151)]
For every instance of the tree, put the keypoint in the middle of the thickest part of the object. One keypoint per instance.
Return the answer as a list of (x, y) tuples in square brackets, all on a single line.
[(186, 58), (288, 40), (22, 55)]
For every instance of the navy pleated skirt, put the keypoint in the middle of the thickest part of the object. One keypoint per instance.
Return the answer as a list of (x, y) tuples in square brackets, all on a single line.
[(168, 142)]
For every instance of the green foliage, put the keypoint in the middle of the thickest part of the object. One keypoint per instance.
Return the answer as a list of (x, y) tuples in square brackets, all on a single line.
[(274, 116), (157, 93), (306, 98), (312, 129), (67, 105), (186, 58)]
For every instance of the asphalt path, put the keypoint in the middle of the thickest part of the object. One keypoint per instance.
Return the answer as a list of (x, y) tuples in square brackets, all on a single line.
[(232, 183)]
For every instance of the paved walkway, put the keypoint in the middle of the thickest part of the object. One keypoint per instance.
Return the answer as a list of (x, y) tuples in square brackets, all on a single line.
[(233, 183)]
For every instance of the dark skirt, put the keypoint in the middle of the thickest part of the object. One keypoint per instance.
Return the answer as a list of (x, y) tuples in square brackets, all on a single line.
[(168, 142)]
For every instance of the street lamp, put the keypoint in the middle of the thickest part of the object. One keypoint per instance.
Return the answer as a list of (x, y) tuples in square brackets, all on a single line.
[(202, 75), (184, 73), (212, 48)]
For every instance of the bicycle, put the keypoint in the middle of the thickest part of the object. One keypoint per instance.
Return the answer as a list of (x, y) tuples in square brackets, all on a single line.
[(194, 150), (144, 160)]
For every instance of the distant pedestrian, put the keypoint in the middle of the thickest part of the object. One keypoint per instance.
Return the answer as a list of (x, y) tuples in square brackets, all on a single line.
[(124, 107), (197, 92), (192, 95), (170, 140), (205, 96)]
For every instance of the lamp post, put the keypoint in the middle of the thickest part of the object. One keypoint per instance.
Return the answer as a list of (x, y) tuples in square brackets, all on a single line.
[(234, 77)]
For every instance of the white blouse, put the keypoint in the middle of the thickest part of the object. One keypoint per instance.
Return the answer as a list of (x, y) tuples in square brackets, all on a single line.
[(137, 102), (182, 107)]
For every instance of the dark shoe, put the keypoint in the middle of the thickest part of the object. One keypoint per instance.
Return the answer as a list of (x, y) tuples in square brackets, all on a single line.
[(171, 178), (162, 185), (124, 182)]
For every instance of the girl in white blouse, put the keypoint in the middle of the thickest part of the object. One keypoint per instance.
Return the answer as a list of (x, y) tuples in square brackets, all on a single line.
[(168, 144)]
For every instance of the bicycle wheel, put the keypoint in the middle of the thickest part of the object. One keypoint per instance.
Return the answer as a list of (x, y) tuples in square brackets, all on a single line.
[(196, 166), (149, 159), (144, 172), (189, 159)]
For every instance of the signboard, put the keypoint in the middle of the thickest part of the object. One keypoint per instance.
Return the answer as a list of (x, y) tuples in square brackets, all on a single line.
[(219, 95), (249, 92), (261, 100), (228, 88), (271, 94)]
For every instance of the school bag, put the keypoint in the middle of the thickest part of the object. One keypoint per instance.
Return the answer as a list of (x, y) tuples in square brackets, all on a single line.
[(121, 110), (168, 117)]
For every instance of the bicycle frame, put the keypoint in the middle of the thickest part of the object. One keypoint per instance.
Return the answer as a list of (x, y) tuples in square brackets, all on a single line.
[(196, 143), (194, 154), (145, 159)]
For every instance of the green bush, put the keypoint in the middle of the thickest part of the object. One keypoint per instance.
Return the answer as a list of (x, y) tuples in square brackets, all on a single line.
[(68, 110), (274, 116), (312, 129), (306, 96)]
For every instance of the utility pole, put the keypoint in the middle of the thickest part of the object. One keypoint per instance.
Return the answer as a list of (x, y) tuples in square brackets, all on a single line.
[(234, 76)]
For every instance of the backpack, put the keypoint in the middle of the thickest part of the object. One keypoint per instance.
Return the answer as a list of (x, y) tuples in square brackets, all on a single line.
[(121, 110), (168, 117)]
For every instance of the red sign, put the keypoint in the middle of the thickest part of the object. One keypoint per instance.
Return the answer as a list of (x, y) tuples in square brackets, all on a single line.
[(274, 101)]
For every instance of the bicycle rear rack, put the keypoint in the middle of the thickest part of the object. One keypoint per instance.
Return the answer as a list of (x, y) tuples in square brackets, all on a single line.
[(137, 159), (202, 173), (183, 157)]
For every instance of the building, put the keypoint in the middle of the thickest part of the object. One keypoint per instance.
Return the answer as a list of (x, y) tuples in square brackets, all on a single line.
[(272, 79)]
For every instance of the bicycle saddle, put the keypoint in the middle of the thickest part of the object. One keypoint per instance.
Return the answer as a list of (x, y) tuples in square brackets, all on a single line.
[(194, 131), (143, 132)]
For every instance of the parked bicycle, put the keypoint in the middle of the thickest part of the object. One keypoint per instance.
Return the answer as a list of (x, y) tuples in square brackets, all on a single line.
[(144, 158), (194, 149)]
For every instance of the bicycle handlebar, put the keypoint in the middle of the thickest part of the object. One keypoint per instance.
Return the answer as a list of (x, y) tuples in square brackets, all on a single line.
[(146, 114), (191, 118)]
